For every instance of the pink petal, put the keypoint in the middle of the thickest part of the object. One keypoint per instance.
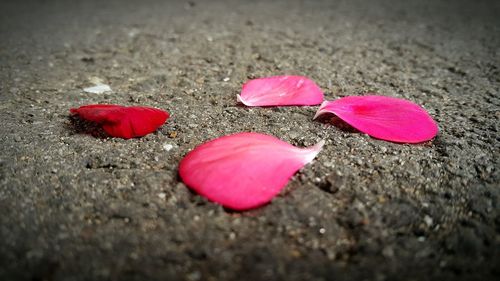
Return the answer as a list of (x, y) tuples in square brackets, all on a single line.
[(123, 121), (386, 118), (280, 90), (244, 170)]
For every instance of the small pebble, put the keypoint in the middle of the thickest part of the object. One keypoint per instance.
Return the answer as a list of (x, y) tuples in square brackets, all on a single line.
[(428, 220), (388, 252), (295, 254), (98, 89), (168, 147), (194, 276)]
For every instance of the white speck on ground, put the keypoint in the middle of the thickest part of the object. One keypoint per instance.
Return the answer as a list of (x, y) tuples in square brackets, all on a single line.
[(98, 89), (428, 220), (167, 147)]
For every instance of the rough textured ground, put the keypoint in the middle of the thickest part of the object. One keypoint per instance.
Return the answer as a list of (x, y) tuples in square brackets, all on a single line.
[(78, 207)]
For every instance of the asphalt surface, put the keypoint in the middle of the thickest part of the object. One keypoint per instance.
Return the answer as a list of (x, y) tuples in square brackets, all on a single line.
[(76, 205)]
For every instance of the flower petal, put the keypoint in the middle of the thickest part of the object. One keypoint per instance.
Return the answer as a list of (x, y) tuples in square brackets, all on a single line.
[(244, 170), (386, 118), (121, 121), (280, 90)]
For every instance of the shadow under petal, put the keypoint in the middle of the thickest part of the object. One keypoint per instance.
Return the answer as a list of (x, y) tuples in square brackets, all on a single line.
[(337, 122), (79, 126)]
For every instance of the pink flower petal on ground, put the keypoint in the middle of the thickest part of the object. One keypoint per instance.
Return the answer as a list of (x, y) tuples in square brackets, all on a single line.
[(244, 170), (280, 90), (123, 121), (386, 118)]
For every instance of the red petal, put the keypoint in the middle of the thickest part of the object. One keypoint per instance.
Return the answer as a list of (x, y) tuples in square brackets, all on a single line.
[(121, 121), (386, 118), (244, 170), (280, 90)]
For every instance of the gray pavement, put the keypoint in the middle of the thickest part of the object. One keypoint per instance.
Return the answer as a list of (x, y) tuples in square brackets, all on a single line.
[(75, 205)]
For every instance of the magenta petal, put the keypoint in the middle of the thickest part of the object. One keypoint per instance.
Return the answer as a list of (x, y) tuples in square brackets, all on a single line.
[(280, 90), (244, 170), (386, 118)]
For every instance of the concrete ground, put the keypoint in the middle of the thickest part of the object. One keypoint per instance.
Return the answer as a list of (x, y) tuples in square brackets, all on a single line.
[(79, 206)]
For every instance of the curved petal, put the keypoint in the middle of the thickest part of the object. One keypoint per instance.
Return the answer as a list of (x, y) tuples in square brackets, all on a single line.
[(280, 90), (121, 121), (244, 170), (98, 113), (386, 118)]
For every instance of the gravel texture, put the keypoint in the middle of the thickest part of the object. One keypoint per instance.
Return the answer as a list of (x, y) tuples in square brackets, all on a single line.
[(75, 205)]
